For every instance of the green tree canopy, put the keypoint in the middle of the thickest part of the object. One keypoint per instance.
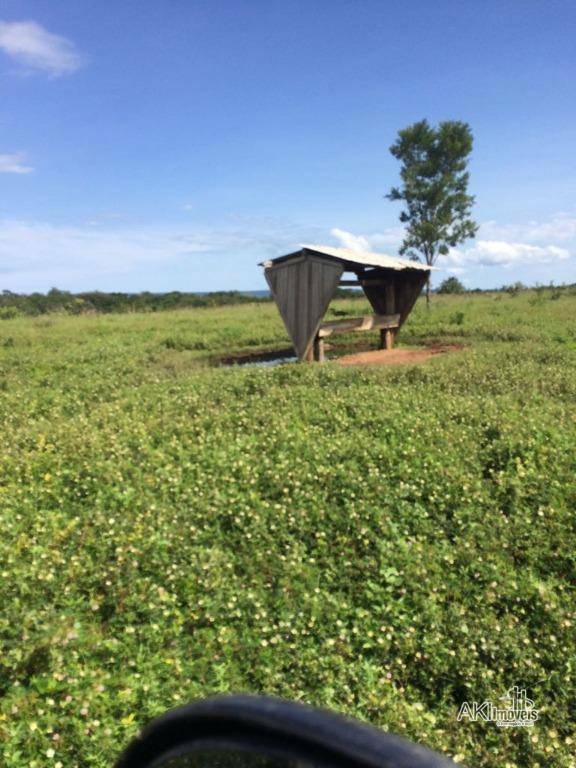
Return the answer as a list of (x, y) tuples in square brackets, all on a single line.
[(451, 285), (434, 188)]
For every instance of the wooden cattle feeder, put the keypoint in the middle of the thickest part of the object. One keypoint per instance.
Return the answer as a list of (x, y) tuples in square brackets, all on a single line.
[(304, 283)]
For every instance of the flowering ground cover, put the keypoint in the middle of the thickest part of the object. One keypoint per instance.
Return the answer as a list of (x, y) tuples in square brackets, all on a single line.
[(387, 542)]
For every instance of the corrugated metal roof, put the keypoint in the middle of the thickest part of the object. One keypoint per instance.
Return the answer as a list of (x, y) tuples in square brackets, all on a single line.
[(362, 258)]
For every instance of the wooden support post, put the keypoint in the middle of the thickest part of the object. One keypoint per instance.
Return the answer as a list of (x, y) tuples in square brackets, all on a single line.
[(387, 338), (319, 349), (309, 356), (387, 334)]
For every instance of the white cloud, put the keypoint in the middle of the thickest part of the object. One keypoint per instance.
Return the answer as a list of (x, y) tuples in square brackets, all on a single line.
[(348, 240), (32, 46), (14, 164), (561, 227), (499, 253), (391, 237), (37, 255), (119, 255), (37, 246), (503, 246)]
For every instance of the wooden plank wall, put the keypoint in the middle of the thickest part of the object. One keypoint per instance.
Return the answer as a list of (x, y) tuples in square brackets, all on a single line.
[(408, 291), (382, 296), (395, 291), (303, 288)]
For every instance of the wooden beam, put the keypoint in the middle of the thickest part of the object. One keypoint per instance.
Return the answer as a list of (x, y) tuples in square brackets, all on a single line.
[(374, 281), (366, 281), (355, 324)]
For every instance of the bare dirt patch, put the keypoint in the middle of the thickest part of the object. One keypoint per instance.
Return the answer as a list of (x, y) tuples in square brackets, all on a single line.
[(400, 356)]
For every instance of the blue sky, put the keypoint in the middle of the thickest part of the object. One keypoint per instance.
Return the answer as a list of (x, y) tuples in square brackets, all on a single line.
[(173, 144)]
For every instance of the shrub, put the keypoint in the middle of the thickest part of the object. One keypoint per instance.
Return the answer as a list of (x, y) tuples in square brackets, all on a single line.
[(385, 541), (457, 318), (451, 285), (8, 313)]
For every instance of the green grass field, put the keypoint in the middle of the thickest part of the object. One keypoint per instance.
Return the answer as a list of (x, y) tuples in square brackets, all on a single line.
[(388, 542)]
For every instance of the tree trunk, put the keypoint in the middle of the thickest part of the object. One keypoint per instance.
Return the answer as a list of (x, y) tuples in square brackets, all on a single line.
[(429, 259)]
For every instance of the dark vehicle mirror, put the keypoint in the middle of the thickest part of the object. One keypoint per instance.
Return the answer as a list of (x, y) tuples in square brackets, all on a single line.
[(262, 732)]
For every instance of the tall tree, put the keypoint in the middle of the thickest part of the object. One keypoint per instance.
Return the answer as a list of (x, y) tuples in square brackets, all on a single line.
[(451, 285), (434, 189)]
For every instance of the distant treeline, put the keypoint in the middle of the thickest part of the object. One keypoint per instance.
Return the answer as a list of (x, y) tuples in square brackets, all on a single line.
[(92, 302), (15, 304), (453, 285)]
